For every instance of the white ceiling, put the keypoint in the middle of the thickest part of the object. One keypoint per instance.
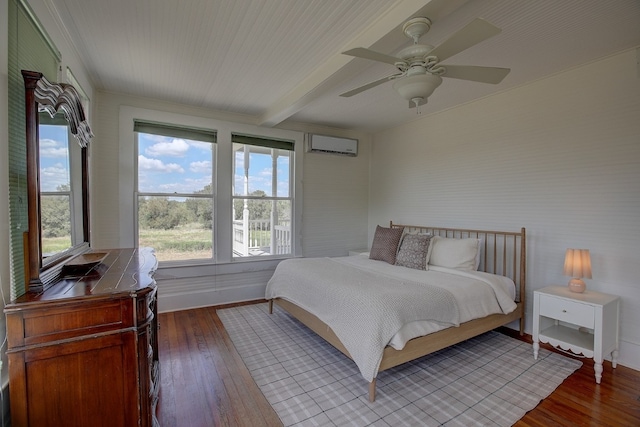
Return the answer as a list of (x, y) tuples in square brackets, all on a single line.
[(279, 60)]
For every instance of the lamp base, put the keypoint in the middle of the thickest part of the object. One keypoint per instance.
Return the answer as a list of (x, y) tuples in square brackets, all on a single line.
[(577, 285)]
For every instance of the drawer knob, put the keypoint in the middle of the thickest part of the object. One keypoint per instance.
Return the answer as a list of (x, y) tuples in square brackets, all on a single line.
[(564, 311)]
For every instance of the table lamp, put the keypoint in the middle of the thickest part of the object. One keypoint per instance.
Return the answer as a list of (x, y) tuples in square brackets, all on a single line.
[(577, 264)]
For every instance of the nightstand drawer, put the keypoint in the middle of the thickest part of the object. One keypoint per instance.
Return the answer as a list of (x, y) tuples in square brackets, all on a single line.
[(567, 311)]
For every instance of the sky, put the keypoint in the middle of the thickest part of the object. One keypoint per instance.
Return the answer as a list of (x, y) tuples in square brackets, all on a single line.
[(165, 164), (175, 165), (54, 157)]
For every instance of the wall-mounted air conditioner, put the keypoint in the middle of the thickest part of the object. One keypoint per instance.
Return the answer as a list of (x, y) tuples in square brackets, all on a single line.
[(332, 144)]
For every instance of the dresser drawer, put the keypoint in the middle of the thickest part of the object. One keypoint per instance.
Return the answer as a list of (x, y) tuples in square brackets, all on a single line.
[(567, 311), (48, 323)]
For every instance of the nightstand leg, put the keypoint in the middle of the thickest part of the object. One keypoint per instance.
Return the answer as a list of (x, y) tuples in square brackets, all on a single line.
[(597, 367), (614, 358), (536, 348)]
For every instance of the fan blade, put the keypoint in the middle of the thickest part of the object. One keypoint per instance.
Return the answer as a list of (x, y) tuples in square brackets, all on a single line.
[(476, 31), (361, 52), (369, 85), (493, 75)]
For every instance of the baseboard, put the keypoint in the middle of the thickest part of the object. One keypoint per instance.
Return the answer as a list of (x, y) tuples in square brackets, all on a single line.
[(181, 288), (629, 355), (194, 295), (207, 298)]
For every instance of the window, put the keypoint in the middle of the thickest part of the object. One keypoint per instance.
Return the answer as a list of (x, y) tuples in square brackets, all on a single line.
[(176, 198), (56, 205), (262, 196), (190, 173)]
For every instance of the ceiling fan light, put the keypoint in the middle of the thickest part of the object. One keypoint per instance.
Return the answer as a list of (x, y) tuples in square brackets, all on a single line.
[(418, 86)]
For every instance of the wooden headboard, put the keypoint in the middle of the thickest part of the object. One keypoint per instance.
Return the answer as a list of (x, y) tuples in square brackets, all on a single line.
[(502, 252)]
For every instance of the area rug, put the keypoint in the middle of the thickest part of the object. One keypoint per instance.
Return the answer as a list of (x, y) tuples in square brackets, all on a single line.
[(489, 380)]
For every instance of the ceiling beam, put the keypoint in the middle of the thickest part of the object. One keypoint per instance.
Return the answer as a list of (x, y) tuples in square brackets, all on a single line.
[(384, 33)]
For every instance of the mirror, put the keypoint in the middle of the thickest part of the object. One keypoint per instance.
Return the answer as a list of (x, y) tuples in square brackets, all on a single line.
[(42, 95), (60, 195)]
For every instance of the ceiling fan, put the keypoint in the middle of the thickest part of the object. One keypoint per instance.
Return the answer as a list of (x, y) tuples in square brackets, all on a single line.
[(419, 66)]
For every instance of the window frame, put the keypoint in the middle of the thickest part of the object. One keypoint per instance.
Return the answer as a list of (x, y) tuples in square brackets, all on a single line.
[(74, 194), (176, 131), (127, 182), (266, 144)]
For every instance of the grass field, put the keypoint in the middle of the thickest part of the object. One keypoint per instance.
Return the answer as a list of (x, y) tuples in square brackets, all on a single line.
[(52, 245), (185, 242)]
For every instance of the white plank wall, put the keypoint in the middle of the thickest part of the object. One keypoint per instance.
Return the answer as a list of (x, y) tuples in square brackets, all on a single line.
[(560, 156), (335, 202)]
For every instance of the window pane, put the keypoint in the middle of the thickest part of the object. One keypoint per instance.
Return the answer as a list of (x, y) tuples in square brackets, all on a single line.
[(261, 227), (54, 158), (177, 228), (174, 165), (55, 177), (261, 170), (55, 217)]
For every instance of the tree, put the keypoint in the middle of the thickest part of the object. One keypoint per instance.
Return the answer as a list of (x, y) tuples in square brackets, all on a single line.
[(161, 213), (201, 209), (55, 214), (258, 209), (261, 209)]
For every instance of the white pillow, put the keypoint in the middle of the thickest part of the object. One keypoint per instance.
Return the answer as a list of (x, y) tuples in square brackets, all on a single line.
[(462, 254)]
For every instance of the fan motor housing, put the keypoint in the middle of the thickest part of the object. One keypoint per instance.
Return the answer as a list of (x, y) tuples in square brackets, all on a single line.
[(416, 52)]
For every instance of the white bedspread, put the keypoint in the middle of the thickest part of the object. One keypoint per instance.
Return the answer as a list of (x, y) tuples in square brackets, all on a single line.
[(367, 303)]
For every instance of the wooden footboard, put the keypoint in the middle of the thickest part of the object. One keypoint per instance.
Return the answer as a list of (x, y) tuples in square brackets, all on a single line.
[(416, 347)]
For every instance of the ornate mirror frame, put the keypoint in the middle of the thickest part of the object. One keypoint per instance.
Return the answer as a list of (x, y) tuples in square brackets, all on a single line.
[(40, 94)]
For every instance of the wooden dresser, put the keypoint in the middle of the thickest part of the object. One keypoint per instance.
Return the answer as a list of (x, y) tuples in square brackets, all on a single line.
[(84, 352)]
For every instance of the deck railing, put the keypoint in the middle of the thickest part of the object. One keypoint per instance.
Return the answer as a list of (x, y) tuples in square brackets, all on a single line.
[(257, 238)]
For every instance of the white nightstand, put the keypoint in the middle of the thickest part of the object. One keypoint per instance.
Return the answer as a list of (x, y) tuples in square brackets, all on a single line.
[(585, 323)]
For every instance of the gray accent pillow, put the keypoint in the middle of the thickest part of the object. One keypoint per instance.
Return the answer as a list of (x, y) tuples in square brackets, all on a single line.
[(413, 251), (385, 244)]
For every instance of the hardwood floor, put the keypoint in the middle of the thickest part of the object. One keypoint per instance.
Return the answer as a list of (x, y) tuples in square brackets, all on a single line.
[(579, 401), (203, 379), (205, 383)]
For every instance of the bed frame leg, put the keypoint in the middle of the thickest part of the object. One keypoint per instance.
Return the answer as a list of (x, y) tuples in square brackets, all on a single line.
[(372, 390), (270, 306)]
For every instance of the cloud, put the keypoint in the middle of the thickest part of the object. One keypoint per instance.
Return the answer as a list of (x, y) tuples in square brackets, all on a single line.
[(200, 167), (50, 148), (53, 176), (172, 187), (175, 148), (201, 145), (188, 186), (155, 165)]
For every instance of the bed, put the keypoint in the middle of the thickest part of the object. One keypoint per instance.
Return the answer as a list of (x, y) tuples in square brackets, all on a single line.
[(399, 303)]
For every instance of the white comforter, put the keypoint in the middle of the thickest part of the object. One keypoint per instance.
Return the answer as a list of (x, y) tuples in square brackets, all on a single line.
[(368, 304)]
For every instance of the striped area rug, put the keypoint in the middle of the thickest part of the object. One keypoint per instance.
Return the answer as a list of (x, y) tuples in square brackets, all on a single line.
[(489, 380)]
